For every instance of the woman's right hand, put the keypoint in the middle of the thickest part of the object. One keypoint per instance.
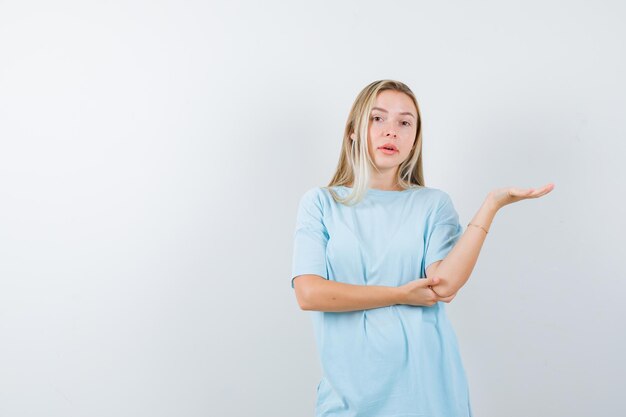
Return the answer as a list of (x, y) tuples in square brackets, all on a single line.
[(419, 293)]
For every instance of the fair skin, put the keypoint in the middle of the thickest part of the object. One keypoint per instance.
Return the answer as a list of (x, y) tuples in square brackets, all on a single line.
[(390, 122), (393, 120)]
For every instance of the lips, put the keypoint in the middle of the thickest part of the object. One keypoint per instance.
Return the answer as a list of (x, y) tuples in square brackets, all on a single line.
[(389, 146)]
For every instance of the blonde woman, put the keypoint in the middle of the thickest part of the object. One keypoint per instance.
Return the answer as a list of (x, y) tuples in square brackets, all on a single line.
[(376, 256)]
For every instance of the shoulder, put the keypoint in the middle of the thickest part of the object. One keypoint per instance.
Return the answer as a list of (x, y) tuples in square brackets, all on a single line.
[(313, 200), (312, 195), (319, 195), (437, 197), (443, 210)]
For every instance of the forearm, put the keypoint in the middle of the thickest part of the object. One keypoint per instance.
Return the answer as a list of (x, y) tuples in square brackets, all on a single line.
[(327, 295), (456, 268)]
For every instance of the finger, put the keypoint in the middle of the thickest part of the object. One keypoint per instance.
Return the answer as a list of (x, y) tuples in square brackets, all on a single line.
[(432, 281), (435, 294), (546, 189), (518, 192), (539, 193)]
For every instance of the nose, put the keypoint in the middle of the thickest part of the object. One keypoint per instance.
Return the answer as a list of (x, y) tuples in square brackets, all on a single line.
[(391, 132)]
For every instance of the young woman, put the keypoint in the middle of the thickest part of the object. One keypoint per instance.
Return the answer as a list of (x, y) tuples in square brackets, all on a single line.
[(376, 256)]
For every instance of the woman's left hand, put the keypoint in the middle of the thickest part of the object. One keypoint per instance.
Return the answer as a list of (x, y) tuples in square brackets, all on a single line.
[(502, 196)]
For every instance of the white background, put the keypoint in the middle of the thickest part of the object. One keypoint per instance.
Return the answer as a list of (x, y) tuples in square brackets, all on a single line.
[(152, 155)]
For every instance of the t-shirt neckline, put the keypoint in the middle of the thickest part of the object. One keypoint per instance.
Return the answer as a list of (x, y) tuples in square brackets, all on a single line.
[(383, 192)]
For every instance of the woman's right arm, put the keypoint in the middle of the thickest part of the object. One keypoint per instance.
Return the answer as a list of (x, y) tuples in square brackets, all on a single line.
[(319, 294)]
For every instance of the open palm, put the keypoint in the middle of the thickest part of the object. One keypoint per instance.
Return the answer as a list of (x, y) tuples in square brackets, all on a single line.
[(503, 196)]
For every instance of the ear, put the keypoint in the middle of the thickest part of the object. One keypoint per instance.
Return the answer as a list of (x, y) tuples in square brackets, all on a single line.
[(353, 136)]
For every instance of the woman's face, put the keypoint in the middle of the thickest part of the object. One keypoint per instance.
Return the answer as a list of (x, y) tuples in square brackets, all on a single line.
[(393, 122)]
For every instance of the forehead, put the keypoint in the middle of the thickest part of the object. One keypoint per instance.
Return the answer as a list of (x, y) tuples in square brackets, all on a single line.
[(395, 102)]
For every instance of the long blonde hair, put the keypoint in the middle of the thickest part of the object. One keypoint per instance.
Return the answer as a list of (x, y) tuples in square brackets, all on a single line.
[(355, 161)]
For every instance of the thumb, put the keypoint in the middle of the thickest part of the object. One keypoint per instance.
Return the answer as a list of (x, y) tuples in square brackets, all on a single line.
[(432, 281)]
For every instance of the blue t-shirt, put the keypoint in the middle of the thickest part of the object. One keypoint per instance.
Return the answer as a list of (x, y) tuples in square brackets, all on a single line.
[(399, 360)]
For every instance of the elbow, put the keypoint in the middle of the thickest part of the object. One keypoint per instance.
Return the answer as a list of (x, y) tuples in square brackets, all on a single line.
[(307, 301), (304, 305), (444, 289), (305, 288), (303, 297), (443, 293), (303, 302)]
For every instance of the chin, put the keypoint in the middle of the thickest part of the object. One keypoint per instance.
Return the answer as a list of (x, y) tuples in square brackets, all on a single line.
[(386, 165)]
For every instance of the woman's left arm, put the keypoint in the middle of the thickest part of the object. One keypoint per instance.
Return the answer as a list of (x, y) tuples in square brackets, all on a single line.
[(455, 269)]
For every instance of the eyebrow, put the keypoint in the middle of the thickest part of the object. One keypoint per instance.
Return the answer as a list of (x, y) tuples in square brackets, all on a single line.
[(385, 111)]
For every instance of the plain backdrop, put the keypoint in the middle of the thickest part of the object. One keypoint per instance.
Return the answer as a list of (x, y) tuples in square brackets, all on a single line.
[(152, 155)]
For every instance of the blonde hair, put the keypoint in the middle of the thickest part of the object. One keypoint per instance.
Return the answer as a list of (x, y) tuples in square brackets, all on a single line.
[(355, 161)]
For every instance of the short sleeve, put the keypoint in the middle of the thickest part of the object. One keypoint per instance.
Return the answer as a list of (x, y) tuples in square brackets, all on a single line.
[(310, 237), (443, 233)]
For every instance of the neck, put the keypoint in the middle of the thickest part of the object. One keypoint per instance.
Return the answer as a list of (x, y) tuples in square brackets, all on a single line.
[(385, 180)]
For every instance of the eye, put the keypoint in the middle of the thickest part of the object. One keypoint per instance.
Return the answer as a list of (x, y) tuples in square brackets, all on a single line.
[(376, 117), (407, 123)]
